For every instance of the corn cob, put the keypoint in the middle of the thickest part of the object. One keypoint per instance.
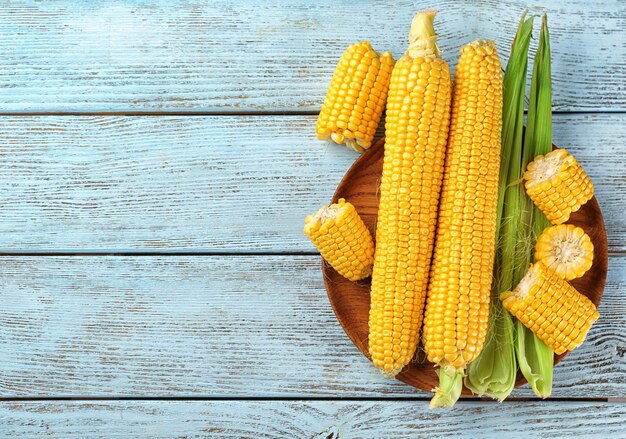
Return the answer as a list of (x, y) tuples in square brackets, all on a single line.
[(558, 185), (356, 97), (342, 238), (566, 249), (551, 308), (457, 307), (494, 371), (418, 114)]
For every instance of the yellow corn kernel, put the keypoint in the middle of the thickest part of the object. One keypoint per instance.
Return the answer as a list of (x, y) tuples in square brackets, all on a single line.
[(342, 238), (457, 306), (566, 249), (416, 129), (570, 314), (356, 97), (558, 185)]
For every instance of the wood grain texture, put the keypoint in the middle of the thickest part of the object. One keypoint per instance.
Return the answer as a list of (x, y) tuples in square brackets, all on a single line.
[(222, 183), (221, 326), (206, 55), (311, 419), (351, 301)]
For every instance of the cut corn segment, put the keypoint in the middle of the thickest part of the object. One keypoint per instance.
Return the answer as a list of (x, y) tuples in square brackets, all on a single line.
[(558, 185), (356, 97), (457, 307), (416, 130), (551, 308), (342, 238), (566, 249)]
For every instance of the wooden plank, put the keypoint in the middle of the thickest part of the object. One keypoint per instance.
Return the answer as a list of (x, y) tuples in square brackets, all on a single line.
[(212, 56), (220, 326), (309, 419), (224, 183)]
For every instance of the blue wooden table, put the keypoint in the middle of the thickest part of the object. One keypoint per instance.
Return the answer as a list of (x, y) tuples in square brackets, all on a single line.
[(157, 159)]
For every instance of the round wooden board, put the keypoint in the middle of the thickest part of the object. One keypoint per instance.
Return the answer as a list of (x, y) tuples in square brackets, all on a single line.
[(351, 300)]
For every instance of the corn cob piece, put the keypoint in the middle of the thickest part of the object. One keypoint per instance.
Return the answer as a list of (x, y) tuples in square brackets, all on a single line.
[(558, 185), (551, 308), (566, 249), (416, 130), (342, 238), (457, 307), (356, 97)]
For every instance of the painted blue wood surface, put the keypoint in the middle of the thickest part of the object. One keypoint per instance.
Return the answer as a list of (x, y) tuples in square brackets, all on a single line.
[(235, 325), (221, 326), (311, 419), (215, 56), (227, 183)]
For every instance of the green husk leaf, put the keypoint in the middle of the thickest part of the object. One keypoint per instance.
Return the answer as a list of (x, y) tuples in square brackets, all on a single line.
[(534, 357), (493, 373), (542, 99), (543, 121), (535, 360), (449, 390), (514, 219), (514, 86)]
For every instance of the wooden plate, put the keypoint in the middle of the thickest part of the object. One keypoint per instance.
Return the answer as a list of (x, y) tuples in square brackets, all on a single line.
[(351, 300)]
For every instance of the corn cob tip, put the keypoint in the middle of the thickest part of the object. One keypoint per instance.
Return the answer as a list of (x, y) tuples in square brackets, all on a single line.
[(488, 45), (387, 59), (390, 373), (422, 36)]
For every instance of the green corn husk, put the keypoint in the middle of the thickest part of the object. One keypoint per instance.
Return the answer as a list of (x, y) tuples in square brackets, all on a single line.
[(534, 357), (450, 387), (493, 373)]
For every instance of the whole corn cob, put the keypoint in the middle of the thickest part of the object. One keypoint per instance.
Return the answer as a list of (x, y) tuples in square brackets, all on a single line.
[(342, 238), (558, 185), (418, 113), (457, 307), (494, 371), (551, 308), (356, 97), (566, 249)]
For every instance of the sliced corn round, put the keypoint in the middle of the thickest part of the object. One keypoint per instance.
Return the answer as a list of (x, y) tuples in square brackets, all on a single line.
[(566, 249)]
